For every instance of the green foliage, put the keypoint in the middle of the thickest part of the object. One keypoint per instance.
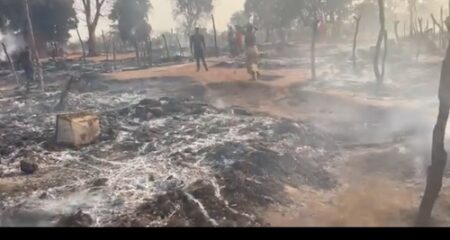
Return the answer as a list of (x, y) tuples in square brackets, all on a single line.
[(52, 19), (131, 17), (192, 12)]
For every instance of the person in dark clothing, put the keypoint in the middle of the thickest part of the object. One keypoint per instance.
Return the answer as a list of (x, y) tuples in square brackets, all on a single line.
[(26, 62), (198, 48)]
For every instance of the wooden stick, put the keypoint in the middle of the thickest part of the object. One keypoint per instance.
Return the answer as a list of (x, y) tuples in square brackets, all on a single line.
[(357, 19), (215, 35), (11, 63), (82, 46), (33, 46)]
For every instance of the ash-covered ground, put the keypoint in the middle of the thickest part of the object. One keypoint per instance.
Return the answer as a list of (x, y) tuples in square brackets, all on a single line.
[(159, 161)]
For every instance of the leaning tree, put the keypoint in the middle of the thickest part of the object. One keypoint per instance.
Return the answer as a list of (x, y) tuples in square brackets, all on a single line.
[(438, 155)]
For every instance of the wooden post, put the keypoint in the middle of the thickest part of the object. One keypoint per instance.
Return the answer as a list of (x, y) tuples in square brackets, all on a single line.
[(179, 45), (33, 46), (404, 29), (11, 63), (136, 49), (82, 46), (143, 51), (149, 50), (420, 36), (381, 36), (114, 49), (358, 20), (420, 20), (166, 47), (105, 46), (439, 26), (411, 18), (439, 154), (396, 31), (215, 35), (313, 47)]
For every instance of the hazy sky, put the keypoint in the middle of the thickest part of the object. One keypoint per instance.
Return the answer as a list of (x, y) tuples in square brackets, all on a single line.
[(161, 17)]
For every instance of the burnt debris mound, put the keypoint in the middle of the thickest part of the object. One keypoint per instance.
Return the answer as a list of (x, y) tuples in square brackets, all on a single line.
[(160, 162)]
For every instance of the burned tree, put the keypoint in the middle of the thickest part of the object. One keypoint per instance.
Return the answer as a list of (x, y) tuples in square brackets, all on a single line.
[(439, 154), (92, 18), (412, 6), (382, 37), (355, 38)]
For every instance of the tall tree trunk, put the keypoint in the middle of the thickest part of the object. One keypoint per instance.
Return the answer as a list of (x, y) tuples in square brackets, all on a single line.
[(215, 35), (355, 39), (92, 42), (11, 63), (381, 36), (439, 154), (33, 46)]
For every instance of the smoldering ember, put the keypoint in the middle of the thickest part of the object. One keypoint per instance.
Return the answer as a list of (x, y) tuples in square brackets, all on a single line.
[(332, 113)]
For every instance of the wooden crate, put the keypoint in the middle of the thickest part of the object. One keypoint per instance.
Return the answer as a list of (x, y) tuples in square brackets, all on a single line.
[(77, 129)]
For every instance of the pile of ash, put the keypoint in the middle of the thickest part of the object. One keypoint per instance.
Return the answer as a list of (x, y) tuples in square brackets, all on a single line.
[(165, 162)]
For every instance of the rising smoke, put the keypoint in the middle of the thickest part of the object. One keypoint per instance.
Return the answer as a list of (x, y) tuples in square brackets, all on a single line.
[(14, 43)]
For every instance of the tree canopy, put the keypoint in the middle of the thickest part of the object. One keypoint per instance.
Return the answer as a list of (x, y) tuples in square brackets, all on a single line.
[(192, 12), (52, 19), (132, 19)]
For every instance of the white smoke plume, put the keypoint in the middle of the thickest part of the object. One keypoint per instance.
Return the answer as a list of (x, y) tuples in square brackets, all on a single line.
[(13, 42)]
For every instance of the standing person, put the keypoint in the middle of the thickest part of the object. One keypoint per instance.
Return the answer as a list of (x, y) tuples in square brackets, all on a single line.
[(26, 62), (198, 48), (252, 52), (231, 42)]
